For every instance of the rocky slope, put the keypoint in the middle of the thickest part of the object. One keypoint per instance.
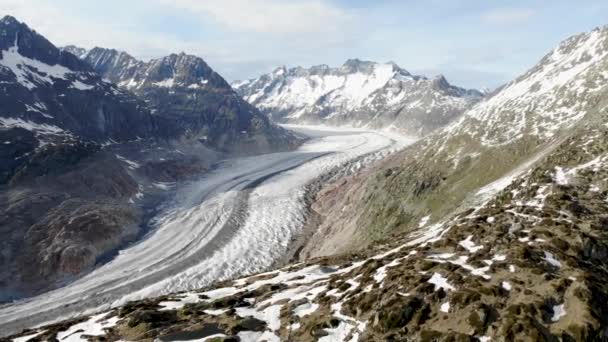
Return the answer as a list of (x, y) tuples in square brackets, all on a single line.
[(52, 93), (83, 161), (494, 140), (58, 187), (478, 237), (528, 264), (360, 94), (194, 101)]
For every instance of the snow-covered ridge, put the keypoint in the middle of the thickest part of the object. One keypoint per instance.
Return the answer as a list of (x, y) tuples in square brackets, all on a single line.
[(31, 73), (173, 71), (360, 94), (554, 94)]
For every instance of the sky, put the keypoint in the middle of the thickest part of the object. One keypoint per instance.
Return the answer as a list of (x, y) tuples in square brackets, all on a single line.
[(474, 43)]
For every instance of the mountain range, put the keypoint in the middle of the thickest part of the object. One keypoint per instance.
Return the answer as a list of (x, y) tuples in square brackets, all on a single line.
[(83, 160), (358, 94), (195, 101), (490, 227)]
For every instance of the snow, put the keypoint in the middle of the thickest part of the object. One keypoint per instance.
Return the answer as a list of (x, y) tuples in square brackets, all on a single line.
[(189, 298), (462, 262), (550, 258), (132, 165), (163, 185), (469, 245), (208, 338), (204, 234), (440, 282), (31, 72), (94, 326), (30, 126), (305, 309), (560, 176), (506, 285), (445, 307), (505, 117), (337, 334), (381, 272), (559, 311), (442, 256), (250, 336), (166, 83), (423, 221), (27, 337), (39, 108), (215, 312), (270, 315), (499, 257), (346, 326), (81, 86), (378, 87)]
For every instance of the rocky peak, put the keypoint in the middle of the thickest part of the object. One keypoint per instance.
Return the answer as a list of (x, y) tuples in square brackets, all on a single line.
[(356, 65), (184, 70), (75, 50), (280, 71), (30, 44), (439, 82), (356, 93), (9, 19)]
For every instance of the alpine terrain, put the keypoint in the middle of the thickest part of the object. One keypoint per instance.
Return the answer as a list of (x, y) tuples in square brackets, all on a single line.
[(194, 101), (358, 94), (486, 221), (84, 162)]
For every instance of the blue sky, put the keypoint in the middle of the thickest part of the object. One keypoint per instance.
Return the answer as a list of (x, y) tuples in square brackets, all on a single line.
[(473, 43)]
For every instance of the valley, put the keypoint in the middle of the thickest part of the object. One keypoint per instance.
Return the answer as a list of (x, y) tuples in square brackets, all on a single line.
[(148, 198), (238, 219)]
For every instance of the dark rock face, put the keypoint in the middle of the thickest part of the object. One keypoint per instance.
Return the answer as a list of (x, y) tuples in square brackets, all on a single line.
[(57, 222), (14, 144), (68, 198), (61, 197), (59, 95), (522, 266), (192, 101)]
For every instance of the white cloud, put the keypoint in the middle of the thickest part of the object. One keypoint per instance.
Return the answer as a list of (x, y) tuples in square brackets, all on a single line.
[(62, 26), (270, 16), (507, 16)]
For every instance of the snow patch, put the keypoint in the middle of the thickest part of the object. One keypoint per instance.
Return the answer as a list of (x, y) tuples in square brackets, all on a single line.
[(440, 282), (559, 311)]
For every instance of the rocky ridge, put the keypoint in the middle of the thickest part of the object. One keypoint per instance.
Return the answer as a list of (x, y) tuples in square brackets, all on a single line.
[(194, 101), (84, 162), (516, 252), (496, 139), (359, 94), (527, 264)]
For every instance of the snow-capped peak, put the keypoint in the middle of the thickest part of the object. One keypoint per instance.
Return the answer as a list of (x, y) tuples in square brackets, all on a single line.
[(358, 93), (554, 94)]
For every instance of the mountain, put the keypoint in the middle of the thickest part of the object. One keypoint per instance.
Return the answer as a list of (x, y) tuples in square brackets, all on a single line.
[(195, 101), (463, 163), (493, 228), (75, 50), (529, 264), (84, 163), (59, 186), (360, 94), (50, 92)]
